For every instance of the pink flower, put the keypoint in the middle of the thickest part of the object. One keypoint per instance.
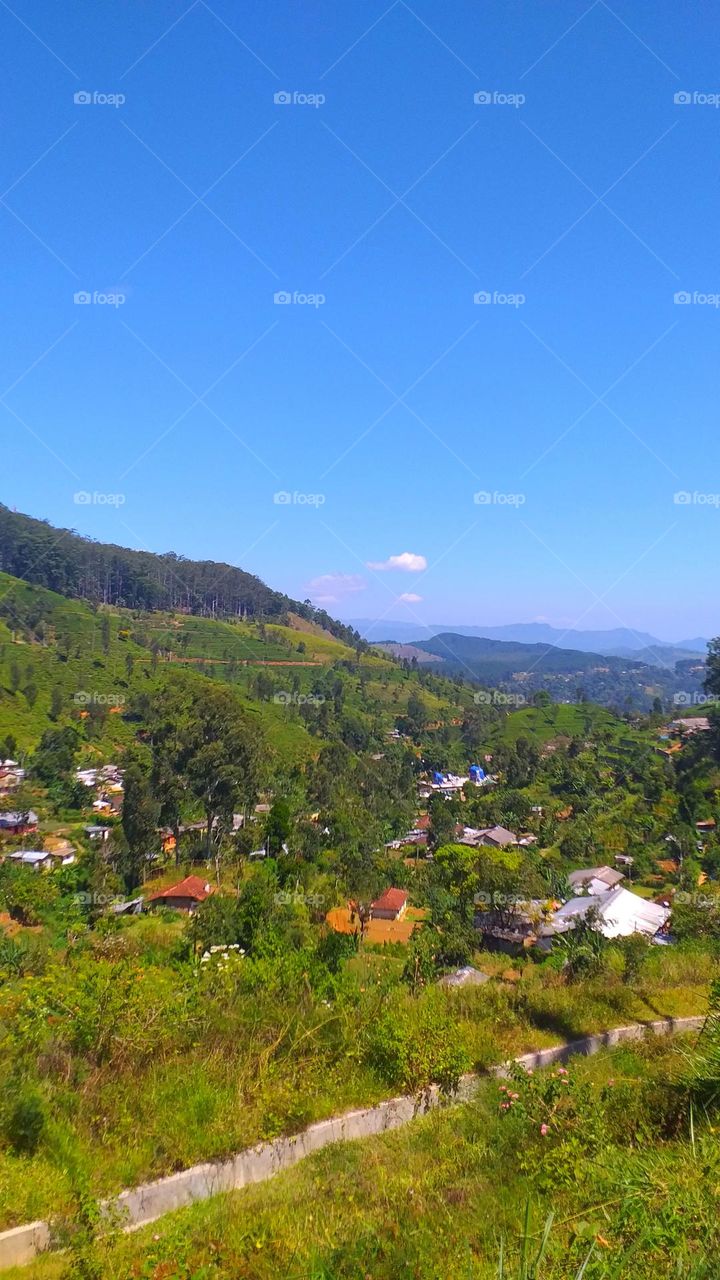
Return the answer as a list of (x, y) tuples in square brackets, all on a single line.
[(543, 1129)]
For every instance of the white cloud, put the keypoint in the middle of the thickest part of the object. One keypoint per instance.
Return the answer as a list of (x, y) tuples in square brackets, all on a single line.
[(330, 588), (407, 561), (409, 597)]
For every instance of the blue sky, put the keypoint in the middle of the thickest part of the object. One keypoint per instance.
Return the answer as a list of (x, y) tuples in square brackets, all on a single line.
[(580, 199)]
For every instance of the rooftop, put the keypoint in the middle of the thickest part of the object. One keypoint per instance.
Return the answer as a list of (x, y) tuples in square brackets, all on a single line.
[(191, 887), (390, 900)]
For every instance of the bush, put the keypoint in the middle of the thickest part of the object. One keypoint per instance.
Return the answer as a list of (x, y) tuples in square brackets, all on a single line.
[(414, 1043), (24, 1123)]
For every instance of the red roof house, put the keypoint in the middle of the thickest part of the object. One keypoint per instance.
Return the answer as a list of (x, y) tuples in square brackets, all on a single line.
[(390, 905), (186, 895)]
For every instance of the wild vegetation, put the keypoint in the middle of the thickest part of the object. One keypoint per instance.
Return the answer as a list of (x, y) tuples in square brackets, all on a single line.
[(603, 1169), (286, 768)]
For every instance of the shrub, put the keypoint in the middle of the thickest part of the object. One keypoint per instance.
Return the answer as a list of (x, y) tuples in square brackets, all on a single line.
[(24, 1123), (414, 1043)]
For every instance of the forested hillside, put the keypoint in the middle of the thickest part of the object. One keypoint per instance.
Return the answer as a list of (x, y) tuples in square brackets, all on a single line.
[(569, 675), (103, 573)]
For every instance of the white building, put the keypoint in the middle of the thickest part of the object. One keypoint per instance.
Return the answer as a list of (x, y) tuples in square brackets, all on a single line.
[(619, 914)]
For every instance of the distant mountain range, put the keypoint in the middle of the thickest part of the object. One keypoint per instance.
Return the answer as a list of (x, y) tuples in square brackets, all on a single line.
[(620, 642), (519, 670), (500, 660)]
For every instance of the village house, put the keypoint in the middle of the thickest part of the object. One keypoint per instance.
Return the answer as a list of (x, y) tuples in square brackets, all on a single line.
[(618, 913), (594, 880), (61, 857), (35, 859), (186, 895), (61, 850), (95, 832), (391, 905), (513, 927), (11, 776), (18, 823), (495, 837), (690, 724)]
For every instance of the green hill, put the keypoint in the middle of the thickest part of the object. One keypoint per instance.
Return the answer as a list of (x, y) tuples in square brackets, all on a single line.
[(103, 573), (568, 675), (68, 661)]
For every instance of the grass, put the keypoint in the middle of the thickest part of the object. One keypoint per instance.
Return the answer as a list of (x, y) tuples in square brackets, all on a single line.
[(563, 720), (616, 1186), (260, 1063)]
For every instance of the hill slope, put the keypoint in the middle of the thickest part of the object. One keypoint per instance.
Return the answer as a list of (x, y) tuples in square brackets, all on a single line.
[(67, 661), (103, 573)]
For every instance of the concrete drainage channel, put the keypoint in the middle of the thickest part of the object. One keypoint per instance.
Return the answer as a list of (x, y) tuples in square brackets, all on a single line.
[(152, 1200)]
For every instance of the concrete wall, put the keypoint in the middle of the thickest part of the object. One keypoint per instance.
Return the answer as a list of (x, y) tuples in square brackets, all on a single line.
[(153, 1199)]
